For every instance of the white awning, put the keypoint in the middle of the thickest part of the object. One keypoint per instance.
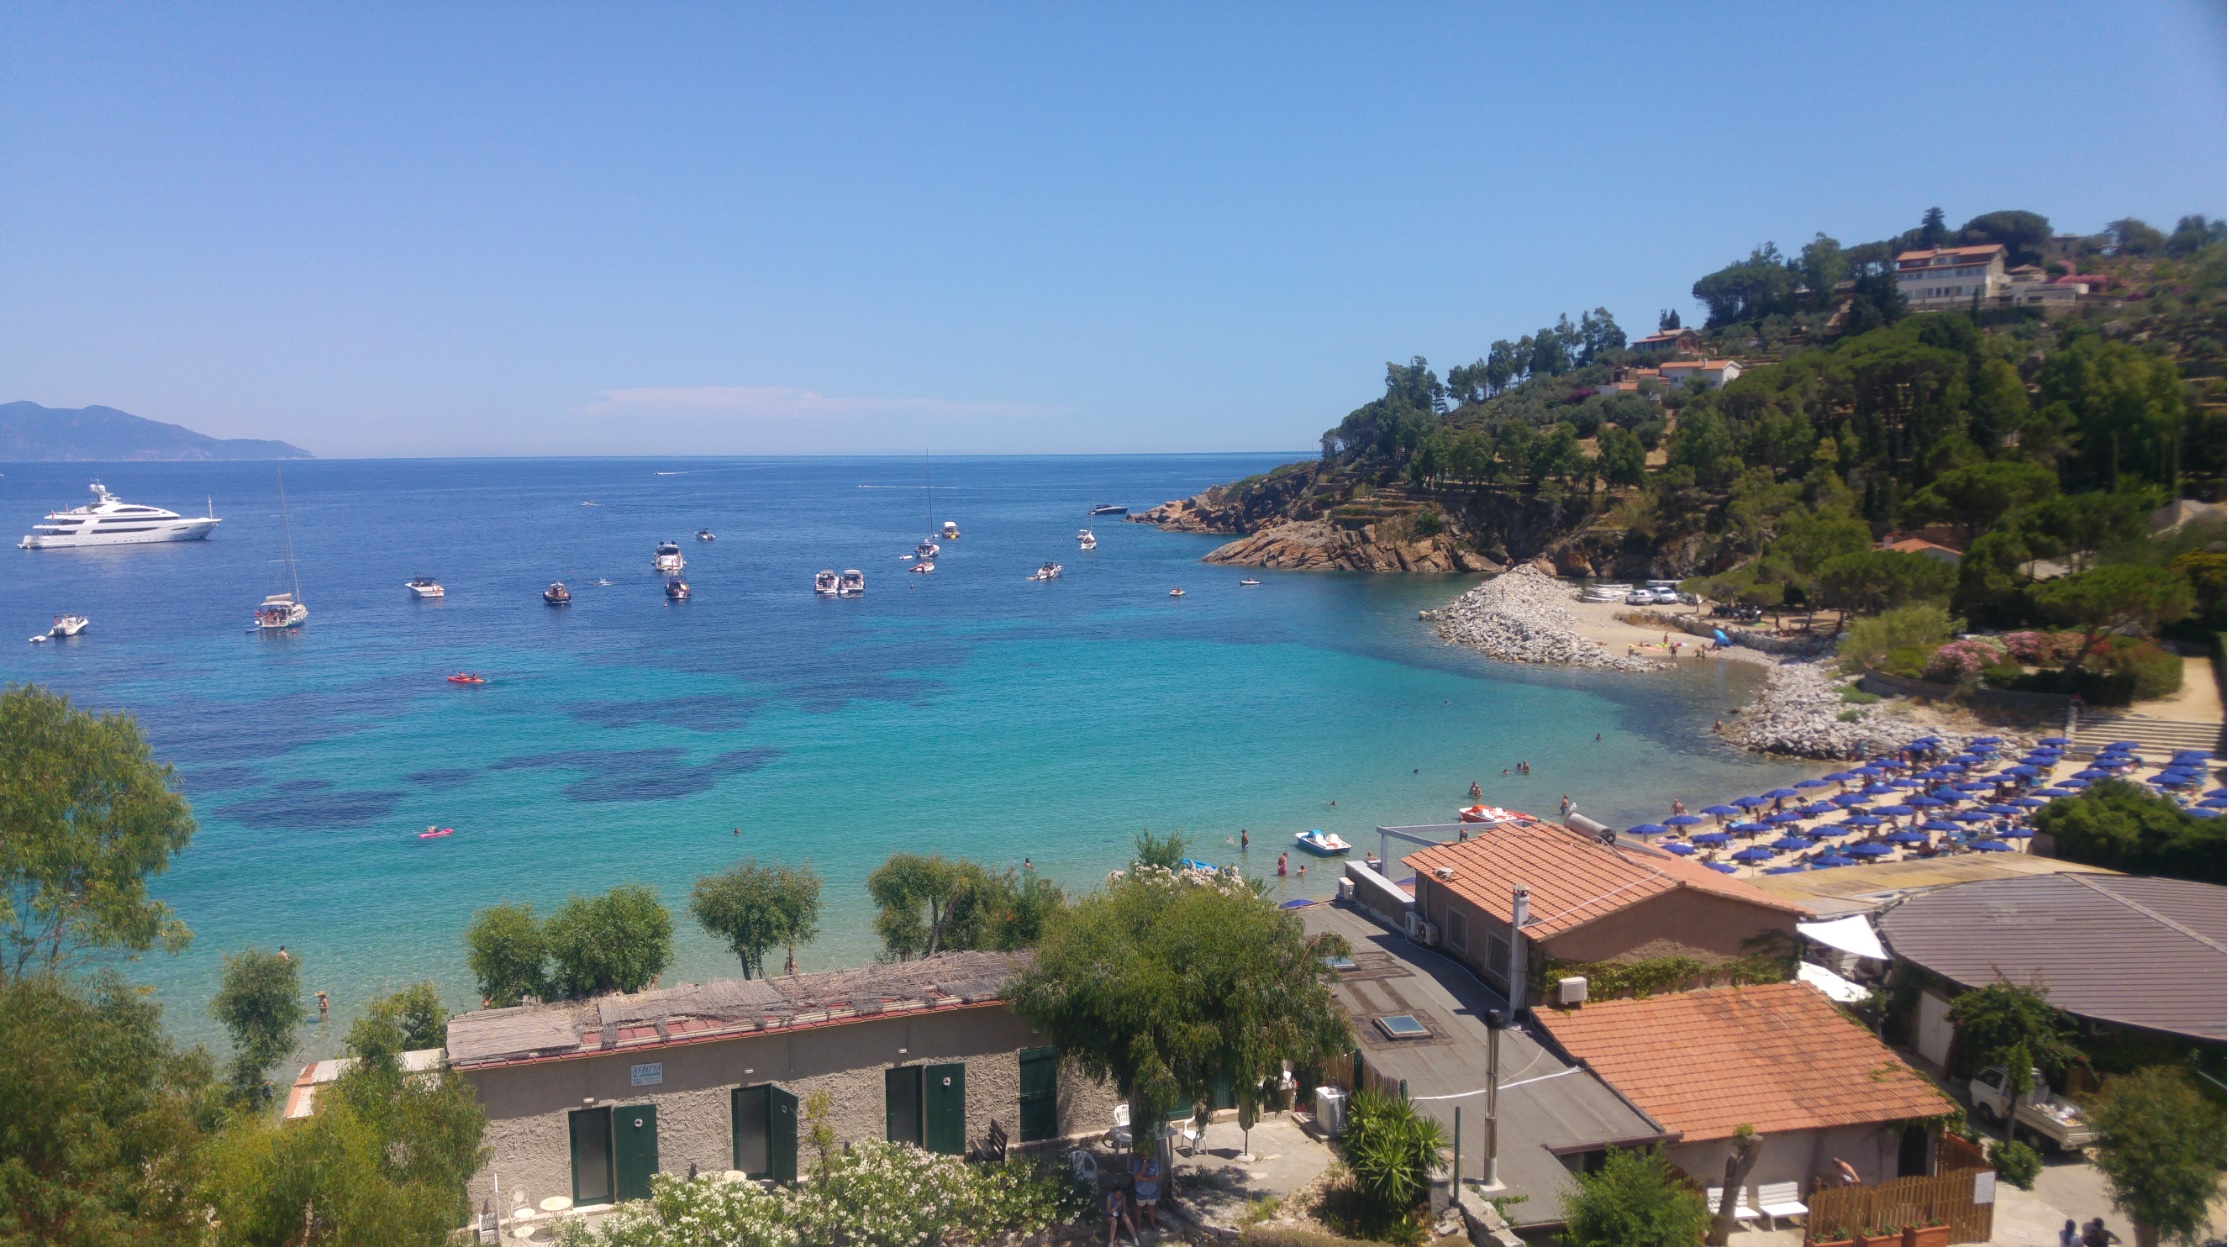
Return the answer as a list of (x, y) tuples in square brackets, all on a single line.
[(1837, 988), (1853, 934)]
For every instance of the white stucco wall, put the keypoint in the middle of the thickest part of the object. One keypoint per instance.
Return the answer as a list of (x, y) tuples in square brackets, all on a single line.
[(1797, 1156)]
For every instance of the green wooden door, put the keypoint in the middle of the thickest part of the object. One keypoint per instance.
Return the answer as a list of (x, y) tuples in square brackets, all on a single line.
[(901, 1104), (590, 1129), (1040, 1111), (781, 1134), (634, 1150), (944, 1106), (753, 1136)]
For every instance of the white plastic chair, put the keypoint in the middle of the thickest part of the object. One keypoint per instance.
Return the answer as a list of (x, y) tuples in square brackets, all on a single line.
[(1121, 1132), (1780, 1199), (1187, 1134), (1743, 1213)]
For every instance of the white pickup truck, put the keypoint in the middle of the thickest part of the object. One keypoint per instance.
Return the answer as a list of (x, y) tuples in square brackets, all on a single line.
[(2039, 1115)]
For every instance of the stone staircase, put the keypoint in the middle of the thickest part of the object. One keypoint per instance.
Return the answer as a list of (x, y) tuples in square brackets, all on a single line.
[(2156, 738)]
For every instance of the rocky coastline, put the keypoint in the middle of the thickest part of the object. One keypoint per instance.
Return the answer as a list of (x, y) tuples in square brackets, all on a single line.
[(1799, 712), (1311, 545), (1520, 617)]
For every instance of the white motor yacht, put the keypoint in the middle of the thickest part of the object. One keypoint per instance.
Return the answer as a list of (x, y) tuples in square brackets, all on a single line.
[(1085, 541), (1050, 571), (668, 559), (853, 584), (425, 587), (68, 625), (825, 583), (109, 521)]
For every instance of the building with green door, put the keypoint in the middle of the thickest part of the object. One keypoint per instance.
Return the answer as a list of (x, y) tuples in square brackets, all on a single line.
[(587, 1099)]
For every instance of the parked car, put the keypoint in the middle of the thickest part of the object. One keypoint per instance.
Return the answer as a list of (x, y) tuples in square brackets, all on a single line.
[(2038, 1116)]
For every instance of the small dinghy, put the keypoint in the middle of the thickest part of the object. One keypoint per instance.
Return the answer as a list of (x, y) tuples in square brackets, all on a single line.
[(1050, 571), (1248, 583), (557, 594), (1176, 593), (436, 833), (677, 589), (1320, 842), (467, 677)]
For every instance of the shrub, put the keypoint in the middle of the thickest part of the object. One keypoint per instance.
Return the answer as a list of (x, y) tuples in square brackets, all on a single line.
[(1870, 638), (1391, 1149), (2152, 671), (1962, 662), (1852, 695), (2120, 826), (1907, 661), (1635, 1200), (2043, 648), (2016, 1163)]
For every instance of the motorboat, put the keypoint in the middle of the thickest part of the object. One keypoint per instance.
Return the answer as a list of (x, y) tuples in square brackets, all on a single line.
[(422, 587), (1176, 593), (927, 550), (1320, 842), (705, 534), (437, 833), (39, 639), (1483, 814), (668, 558), (677, 590), (1109, 509), (280, 612), (1248, 583), (467, 677), (68, 625), (602, 583), (557, 594), (825, 583), (852, 584), (1049, 571), (1084, 539), (110, 521), (951, 531), (925, 566), (284, 612)]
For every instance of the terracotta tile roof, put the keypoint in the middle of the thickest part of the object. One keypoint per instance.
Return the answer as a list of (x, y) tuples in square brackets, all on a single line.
[(1688, 365), (1574, 879), (1981, 251), (1775, 1057)]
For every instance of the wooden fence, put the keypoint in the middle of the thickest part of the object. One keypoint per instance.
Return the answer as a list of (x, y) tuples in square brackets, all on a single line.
[(1837, 1212), (1953, 1152)]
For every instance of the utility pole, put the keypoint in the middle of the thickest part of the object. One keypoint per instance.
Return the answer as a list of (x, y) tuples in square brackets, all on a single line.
[(1493, 1100)]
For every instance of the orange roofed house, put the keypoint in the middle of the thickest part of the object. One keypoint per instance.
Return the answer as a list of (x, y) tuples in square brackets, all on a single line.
[(1779, 1058), (1585, 901)]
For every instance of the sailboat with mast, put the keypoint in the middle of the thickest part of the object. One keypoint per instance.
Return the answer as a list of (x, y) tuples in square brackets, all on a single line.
[(925, 553), (283, 612)]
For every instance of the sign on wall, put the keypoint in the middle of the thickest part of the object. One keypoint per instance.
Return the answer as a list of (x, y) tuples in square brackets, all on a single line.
[(646, 1075)]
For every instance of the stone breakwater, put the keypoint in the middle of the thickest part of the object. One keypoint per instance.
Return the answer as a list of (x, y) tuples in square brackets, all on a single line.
[(1799, 711), (1520, 617)]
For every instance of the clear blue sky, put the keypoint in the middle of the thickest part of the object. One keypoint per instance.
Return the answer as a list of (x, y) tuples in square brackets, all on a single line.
[(553, 229)]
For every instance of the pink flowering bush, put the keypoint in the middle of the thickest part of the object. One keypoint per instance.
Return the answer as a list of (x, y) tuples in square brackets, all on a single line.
[(1962, 662), (2042, 649)]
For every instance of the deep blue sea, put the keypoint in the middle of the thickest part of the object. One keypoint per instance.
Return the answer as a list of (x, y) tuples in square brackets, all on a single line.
[(967, 712)]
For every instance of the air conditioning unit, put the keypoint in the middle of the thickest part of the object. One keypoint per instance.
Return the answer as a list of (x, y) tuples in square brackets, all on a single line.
[(1346, 890), (1412, 924), (1331, 1111), (1571, 991), (1431, 934)]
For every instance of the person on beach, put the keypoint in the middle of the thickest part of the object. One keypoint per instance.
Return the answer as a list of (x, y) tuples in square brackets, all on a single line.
[(1281, 865), (1565, 807), (1304, 872), (1118, 1213), (1242, 840), (1476, 793), (324, 1006), (1145, 1176), (1718, 725), (1678, 806), (282, 953)]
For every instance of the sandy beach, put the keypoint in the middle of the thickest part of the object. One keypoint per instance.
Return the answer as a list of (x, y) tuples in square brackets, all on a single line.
[(1599, 622)]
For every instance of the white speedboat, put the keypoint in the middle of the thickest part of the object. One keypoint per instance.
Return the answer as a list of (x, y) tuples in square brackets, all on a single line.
[(1248, 583), (927, 550), (1321, 843), (109, 521), (1085, 541), (951, 531), (425, 587), (557, 594), (705, 534), (1050, 571), (853, 584), (668, 558), (826, 584), (68, 625), (924, 566), (677, 590)]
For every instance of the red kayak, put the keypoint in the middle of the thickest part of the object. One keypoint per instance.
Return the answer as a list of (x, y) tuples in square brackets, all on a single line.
[(435, 833), (466, 677)]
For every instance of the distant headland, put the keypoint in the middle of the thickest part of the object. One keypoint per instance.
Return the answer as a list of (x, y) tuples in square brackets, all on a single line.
[(30, 433)]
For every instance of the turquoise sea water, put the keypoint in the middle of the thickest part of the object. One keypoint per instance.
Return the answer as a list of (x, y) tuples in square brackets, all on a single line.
[(966, 712)]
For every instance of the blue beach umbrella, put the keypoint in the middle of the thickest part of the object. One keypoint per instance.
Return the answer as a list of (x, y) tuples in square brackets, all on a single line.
[(2211, 803), (1779, 794), (1647, 829), (1816, 808), (1933, 824), (2027, 803), (1721, 868), (2055, 792), (2074, 785), (1851, 799), (2022, 769), (1827, 860), (1785, 870), (1868, 769), (1990, 846), (1751, 803), (1908, 837), (2054, 740), (1898, 809), (1863, 820), (1710, 838), (1754, 855), (1842, 777), (1676, 847), (2119, 745), (1923, 801), (1785, 816), (2216, 792), (1791, 844), (2016, 833), (1747, 828), (1811, 783), (1720, 810), (2093, 772), (1969, 816), (1871, 848), (1682, 820), (1877, 790)]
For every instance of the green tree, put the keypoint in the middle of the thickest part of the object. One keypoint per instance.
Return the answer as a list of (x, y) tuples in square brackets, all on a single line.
[(914, 896), (1868, 640), (2159, 1145), (620, 941), (86, 815), (1391, 1149), (100, 1137), (1005, 911), (2014, 1024), (1932, 232), (1824, 264), (259, 1003), (2194, 234), (757, 909), (2125, 406), (2024, 234), (2133, 237), (2121, 826), (2114, 598), (1976, 496), (1878, 580), (405, 1021), (1168, 986), (1749, 289), (1635, 1200), (1623, 460), (1164, 851), (383, 1160), (509, 954)]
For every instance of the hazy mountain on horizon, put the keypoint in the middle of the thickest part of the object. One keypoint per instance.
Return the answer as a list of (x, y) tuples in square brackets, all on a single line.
[(30, 433)]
